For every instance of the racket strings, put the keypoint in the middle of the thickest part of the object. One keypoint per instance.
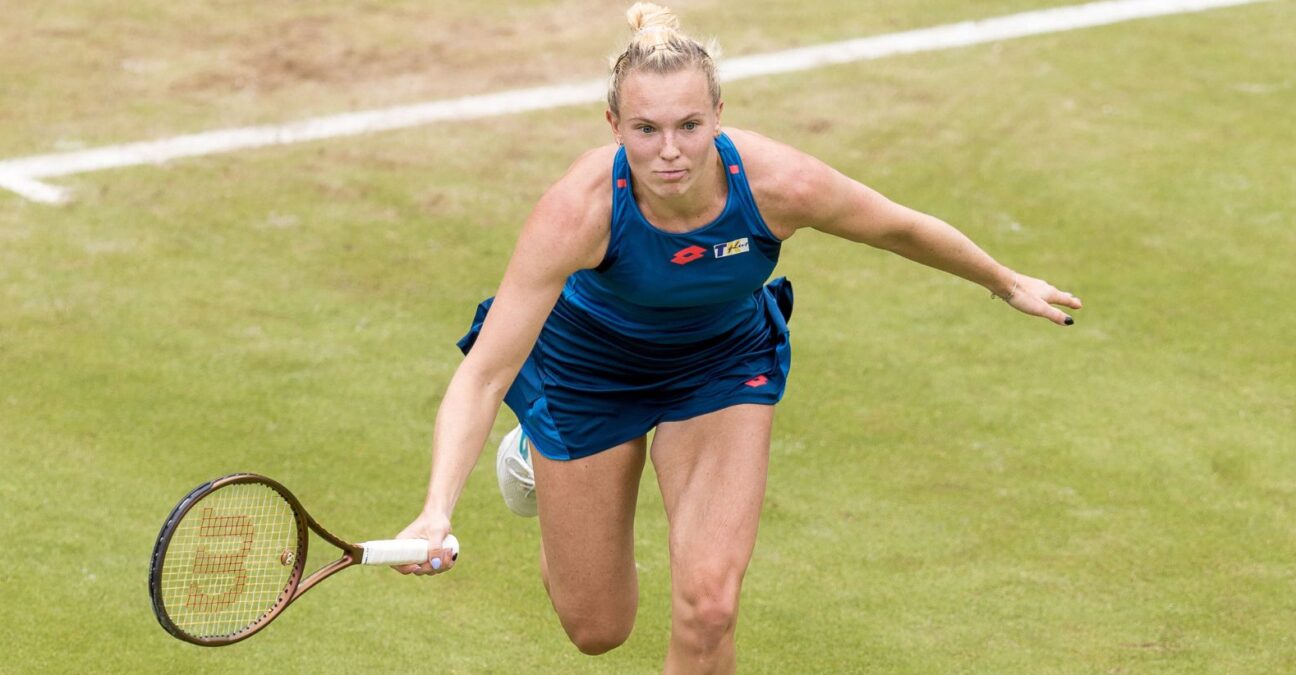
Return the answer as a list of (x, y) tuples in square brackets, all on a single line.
[(229, 560)]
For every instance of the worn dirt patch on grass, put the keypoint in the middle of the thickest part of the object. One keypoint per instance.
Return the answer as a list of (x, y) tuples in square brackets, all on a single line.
[(421, 52)]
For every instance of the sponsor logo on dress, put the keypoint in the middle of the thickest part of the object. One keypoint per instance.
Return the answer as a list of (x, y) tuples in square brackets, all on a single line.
[(685, 256), (758, 381), (731, 248)]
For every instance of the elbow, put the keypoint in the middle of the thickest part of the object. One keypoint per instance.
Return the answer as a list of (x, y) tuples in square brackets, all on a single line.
[(895, 237), (490, 380), (496, 387)]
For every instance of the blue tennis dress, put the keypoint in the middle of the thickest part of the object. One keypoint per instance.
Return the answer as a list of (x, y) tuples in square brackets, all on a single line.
[(668, 327)]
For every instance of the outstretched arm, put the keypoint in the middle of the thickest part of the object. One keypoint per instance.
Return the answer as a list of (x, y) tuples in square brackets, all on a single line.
[(562, 235), (856, 212), (805, 192)]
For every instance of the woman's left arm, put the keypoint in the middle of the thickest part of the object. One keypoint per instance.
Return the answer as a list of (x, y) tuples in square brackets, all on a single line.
[(804, 192)]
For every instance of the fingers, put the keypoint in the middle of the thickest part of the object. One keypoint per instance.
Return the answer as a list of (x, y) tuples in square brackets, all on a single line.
[(439, 560), (1040, 296), (421, 569), (431, 527), (1054, 314), (1065, 299), (1039, 306)]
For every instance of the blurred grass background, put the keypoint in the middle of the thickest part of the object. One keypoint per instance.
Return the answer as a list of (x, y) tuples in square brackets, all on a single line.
[(954, 488)]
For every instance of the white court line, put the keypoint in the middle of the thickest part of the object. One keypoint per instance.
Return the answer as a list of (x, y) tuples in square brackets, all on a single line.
[(34, 189), (20, 174)]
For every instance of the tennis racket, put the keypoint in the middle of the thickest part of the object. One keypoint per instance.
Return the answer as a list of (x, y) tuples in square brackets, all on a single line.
[(231, 556)]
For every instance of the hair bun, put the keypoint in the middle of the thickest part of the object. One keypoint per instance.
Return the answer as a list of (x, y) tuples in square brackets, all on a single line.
[(648, 17), (659, 46)]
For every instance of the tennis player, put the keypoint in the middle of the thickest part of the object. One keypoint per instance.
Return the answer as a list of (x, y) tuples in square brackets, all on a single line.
[(636, 299)]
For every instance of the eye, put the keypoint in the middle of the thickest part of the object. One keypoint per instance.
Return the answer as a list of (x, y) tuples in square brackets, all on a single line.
[(691, 126), (645, 129)]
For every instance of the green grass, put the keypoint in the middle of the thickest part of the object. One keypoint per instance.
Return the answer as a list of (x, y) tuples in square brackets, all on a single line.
[(93, 72), (954, 488)]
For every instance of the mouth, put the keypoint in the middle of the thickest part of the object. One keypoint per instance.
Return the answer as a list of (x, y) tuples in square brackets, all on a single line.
[(672, 176)]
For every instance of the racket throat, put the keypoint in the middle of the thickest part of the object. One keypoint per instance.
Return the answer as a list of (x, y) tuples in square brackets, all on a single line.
[(348, 559)]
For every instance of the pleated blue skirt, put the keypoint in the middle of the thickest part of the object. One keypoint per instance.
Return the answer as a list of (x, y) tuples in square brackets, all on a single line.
[(587, 387)]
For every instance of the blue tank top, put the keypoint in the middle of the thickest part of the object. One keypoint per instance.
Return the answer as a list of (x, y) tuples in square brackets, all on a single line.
[(669, 326), (672, 287)]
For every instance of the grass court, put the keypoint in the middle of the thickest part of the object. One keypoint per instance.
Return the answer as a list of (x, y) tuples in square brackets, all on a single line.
[(954, 487)]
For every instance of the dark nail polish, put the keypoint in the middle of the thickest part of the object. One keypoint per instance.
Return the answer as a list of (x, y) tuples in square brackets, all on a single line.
[(1069, 321), (454, 556)]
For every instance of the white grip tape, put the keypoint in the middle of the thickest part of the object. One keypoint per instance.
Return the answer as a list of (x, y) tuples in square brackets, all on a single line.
[(394, 552), (401, 551)]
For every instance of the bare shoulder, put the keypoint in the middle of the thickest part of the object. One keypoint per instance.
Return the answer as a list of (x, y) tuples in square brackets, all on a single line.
[(591, 170), (574, 213), (784, 180), (586, 188)]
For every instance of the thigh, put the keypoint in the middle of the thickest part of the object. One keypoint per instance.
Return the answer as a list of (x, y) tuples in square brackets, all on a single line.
[(712, 472), (586, 510)]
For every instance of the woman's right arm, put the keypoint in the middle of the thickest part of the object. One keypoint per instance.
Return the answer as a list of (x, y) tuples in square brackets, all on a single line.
[(567, 231)]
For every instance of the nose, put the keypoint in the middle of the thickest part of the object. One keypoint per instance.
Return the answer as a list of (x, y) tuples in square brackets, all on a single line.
[(669, 151)]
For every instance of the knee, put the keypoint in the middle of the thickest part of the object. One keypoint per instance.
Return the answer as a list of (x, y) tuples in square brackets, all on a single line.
[(707, 604), (595, 620), (597, 623), (598, 636)]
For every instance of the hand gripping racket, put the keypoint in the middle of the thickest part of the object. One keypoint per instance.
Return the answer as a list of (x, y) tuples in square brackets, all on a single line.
[(231, 557)]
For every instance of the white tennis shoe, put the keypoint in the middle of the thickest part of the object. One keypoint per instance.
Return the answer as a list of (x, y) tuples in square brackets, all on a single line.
[(514, 473)]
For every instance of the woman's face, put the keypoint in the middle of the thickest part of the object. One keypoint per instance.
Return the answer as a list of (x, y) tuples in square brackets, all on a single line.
[(667, 124)]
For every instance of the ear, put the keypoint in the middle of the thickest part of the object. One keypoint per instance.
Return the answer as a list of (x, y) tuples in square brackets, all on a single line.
[(612, 122), (719, 110)]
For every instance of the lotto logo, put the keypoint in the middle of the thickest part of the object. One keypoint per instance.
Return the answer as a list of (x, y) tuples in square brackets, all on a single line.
[(685, 256), (731, 247), (758, 381)]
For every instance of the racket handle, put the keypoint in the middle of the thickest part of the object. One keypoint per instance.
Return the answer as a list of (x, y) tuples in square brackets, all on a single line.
[(402, 551)]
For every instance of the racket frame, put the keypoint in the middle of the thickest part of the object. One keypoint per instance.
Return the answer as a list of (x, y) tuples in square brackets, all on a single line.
[(293, 589)]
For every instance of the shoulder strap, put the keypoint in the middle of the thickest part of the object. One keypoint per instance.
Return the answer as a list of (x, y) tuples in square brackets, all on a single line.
[(623, 207), (738, 184)]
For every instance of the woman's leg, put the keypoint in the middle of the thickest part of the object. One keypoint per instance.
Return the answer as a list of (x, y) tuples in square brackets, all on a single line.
[(712, 471), (587, 509)]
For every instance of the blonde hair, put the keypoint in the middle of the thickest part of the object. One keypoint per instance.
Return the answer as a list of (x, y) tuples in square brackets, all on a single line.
[(658, 46)]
